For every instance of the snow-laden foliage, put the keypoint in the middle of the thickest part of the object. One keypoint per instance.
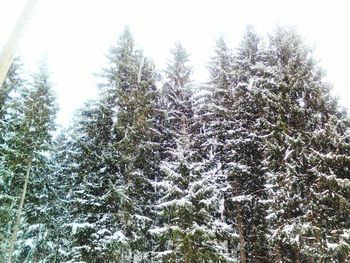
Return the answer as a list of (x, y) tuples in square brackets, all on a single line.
[(187, 228), (306, 157), (251, 166), (13, 82), (30, 121), (114, 162)]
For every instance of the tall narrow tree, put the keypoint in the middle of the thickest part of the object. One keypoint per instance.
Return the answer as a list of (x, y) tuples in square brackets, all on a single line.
[(12, 83), (31, 122), (114, 182), (307, 157), (247, 174)]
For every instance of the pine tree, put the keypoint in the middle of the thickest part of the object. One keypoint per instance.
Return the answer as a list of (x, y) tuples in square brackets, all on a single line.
[(90, 176), (306, 157), (187, 229), (219, 130), (61, 182), (29, 138), (135, 140), (115, 166), (12, 83), (251, 167), (247, 174), (216, 126)]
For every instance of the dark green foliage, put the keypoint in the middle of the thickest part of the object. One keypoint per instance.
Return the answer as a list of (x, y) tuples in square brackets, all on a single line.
[(253, 166), (307, 144), (12, 83), (247, 176), (30, 121), (114, 161), (186, 228)]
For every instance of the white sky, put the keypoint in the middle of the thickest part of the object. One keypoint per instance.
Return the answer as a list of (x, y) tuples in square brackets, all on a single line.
[(75, 35)]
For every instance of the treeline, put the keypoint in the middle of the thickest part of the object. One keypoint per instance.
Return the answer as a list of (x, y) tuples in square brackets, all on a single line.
[(252, 166)]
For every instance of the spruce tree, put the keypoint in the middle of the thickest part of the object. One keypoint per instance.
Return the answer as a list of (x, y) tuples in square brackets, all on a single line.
[(135, 139), (116, 165), (216, 124), (251, 167), (217, 129), (90, 176), (12, 83), (59, 197), (29, 139), (187, 229), (247, 174), (307, 155)]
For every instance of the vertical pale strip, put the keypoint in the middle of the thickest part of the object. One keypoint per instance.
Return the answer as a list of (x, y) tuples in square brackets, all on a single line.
[(8, 51), (19, 213)]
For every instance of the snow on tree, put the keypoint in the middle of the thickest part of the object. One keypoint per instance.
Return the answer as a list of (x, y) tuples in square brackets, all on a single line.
[(246, 172), (30, 122), (91, 177), (115, 165), (215, 126), (252, 166), (306, 158), (135, 132), (12, 83), (187, 229)]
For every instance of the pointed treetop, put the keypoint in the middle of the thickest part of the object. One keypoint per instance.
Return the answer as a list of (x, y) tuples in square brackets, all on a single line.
[(221, 64), (221, 48), (286, 45), (178, 70), (249, 46), (179, 53), (126, 39)]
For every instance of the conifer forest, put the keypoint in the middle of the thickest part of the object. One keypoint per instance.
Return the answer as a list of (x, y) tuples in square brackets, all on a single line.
[(250, 166)]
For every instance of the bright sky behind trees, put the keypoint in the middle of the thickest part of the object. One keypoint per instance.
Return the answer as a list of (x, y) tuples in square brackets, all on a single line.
[(74, 35)]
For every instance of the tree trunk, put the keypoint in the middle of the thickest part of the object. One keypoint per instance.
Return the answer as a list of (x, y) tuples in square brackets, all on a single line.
[(19, 212), (241, 234), (188, 252), (186, 259), (240, 226), (297, 255), (278, 254)]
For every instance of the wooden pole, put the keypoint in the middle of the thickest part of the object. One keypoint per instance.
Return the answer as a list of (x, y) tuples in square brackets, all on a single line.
[(19, 212), (8, 51)]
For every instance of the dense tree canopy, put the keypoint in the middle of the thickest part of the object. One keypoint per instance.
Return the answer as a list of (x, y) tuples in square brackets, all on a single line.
[(251, 166)]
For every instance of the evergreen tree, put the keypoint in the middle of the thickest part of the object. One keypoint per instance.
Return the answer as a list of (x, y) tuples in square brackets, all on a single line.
[(12, 83), (187, 230), (28, 143), (211, 130), (216, 124), (307, 156), (90, 176), (135, 140), (253, 167), (115, 166), (246, 174), (61, 182)]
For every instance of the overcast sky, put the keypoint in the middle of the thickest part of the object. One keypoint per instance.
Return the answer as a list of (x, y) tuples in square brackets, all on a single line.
[(75, 35)]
